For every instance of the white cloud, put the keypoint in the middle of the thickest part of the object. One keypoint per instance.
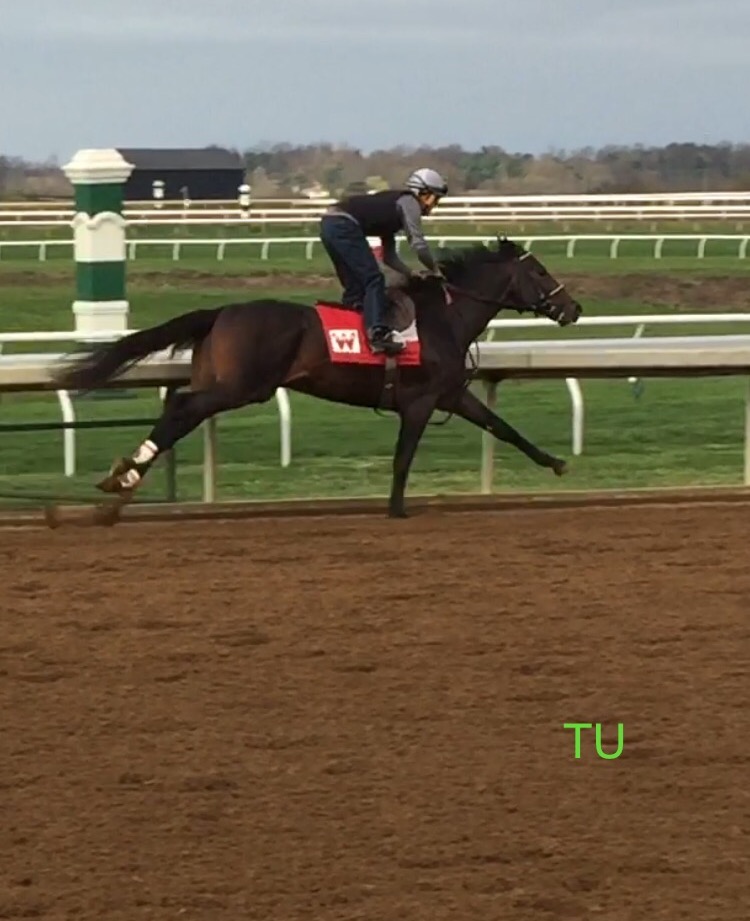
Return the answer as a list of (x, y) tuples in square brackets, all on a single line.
[(245, 21), (525, 74), (536, 26)]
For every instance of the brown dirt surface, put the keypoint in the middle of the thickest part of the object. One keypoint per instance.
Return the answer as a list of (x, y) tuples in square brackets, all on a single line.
[(363, 719), (697, 292), (694, 291)]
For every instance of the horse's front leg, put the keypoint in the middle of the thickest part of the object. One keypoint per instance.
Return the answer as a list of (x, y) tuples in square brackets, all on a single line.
[(471, 408), (414, 418)]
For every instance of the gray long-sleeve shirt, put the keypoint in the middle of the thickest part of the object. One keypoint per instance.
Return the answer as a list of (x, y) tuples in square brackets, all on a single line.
[(412, 222)]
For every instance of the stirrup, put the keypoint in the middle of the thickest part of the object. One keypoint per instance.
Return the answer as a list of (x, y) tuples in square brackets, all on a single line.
[(381, 340)]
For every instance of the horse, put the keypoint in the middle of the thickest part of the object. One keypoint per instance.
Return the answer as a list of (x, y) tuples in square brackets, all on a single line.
[(242, 352)]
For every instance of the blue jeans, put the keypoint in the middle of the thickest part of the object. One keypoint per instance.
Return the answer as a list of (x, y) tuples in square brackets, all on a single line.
[(356, 267)]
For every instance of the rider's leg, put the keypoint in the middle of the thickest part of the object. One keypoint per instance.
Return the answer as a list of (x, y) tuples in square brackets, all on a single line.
[(346, 240), (331, 236), (378, 330)]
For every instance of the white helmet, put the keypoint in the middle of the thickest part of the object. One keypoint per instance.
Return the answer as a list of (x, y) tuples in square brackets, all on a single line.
[(427, 180)]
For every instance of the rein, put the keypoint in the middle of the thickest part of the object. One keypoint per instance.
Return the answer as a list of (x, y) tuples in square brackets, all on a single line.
[(480, 298), (499, 304), (500, 301)]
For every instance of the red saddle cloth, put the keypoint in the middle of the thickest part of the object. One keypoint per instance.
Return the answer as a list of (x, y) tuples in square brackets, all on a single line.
[(346, 338)]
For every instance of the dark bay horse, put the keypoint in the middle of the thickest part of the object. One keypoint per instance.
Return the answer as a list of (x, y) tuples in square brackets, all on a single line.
[(243, 352)]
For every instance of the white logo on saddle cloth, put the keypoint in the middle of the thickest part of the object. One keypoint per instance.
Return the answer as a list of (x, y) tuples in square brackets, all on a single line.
[(344, 341)]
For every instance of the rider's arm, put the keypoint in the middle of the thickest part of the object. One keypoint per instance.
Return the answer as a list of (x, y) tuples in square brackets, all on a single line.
[(412, 222), (391, 257)]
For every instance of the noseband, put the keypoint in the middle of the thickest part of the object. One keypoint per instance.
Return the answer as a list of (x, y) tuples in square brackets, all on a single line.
[(540, 306)]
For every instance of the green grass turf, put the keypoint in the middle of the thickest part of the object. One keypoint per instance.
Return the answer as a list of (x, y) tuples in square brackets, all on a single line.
[(437, 226), (677, 432), (292, 256)]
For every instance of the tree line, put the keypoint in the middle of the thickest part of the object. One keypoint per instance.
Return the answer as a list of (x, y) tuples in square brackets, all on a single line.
[(291, 169)]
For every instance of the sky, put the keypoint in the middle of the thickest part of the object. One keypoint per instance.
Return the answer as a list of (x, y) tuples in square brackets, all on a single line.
[(527, 75)]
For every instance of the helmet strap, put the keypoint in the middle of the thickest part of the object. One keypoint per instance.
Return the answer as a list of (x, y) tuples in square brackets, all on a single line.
[(427, 198)]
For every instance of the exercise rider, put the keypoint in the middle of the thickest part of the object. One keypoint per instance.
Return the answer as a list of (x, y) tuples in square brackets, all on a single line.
[(344, 229)]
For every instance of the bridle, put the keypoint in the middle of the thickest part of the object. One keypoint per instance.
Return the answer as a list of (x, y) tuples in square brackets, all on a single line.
[(541, 306)]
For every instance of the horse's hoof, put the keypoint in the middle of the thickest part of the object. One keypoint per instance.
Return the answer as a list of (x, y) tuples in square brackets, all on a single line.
[(112, 483), (559, 467), (104, 514), (397, 513), (108, 484)]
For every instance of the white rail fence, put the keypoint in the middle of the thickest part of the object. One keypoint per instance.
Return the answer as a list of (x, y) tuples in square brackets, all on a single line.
[(663, 356), (725, 196), (65, 398), (739, 214), (470, 208), (667, 356), (310, 244), (639, 321)]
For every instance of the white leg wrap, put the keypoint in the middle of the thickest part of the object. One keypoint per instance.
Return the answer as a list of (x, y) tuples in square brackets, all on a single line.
[(130, 478), (147, 452)]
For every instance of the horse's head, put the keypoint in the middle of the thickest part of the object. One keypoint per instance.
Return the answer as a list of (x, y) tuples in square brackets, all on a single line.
[(546, 295), (511, 277)]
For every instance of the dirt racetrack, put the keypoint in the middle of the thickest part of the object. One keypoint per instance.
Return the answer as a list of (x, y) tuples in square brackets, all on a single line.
[(363, 719)]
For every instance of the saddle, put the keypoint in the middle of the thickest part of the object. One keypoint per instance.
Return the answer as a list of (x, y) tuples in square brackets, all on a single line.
[(401, 314), (346, 341)]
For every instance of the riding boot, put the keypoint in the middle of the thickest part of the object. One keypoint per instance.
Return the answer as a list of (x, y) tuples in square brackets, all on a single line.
[(381, 340)]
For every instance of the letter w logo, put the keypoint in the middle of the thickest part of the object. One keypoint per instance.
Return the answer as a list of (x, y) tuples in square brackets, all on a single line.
[(344, 341)]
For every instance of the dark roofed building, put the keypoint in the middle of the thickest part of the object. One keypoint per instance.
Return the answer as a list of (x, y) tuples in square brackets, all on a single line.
[(208, 173)]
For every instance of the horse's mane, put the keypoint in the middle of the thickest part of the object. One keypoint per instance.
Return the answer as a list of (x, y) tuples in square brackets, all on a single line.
[(457, 261)]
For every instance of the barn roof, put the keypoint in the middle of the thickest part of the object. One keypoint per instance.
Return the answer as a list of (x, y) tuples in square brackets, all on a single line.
[(208, 158)]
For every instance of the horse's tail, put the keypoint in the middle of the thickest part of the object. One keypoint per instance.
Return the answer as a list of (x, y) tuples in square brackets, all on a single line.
[(103, 363)]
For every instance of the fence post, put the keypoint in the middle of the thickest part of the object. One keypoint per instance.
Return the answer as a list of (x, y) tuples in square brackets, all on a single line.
[(488, 443), (98, 178)]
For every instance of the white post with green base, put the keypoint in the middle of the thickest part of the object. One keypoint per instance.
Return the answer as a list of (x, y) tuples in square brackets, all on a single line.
[(98, 178)]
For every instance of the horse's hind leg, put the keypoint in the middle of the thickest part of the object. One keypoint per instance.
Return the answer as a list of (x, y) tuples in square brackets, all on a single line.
[(183, 412), (233, 368)]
